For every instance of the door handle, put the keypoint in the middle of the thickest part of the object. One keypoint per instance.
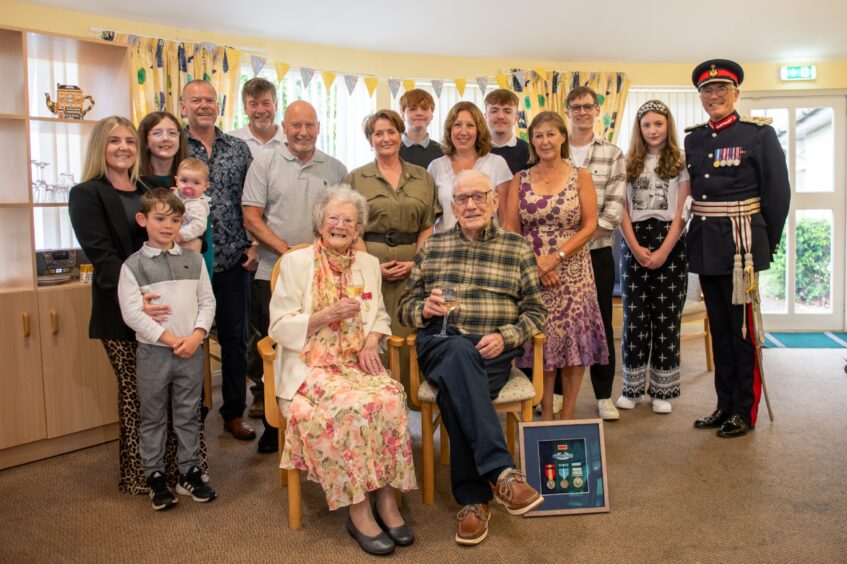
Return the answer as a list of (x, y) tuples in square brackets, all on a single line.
[(25, 317), (54, 322)]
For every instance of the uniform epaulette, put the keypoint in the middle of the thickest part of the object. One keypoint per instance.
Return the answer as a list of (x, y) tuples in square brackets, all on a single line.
[(691, 128), (756, 120)]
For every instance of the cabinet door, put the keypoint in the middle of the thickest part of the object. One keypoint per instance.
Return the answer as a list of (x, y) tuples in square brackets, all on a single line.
[(21, 389), (80, 391)]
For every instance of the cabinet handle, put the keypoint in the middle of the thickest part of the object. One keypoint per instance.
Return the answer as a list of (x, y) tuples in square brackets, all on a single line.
[(54, 321), (26, 324)]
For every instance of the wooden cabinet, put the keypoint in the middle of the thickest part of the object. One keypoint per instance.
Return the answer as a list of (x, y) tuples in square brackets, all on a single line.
[(57, 390)]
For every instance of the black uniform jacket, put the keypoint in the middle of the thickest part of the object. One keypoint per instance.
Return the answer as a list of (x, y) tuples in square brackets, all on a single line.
[(100, 225), (761, 172)]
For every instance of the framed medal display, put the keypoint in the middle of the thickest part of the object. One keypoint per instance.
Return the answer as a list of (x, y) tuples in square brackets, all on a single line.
[(566, 462)]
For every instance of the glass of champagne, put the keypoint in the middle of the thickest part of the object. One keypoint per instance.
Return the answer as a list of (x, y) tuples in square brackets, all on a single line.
[(451, 302), (355, 286)]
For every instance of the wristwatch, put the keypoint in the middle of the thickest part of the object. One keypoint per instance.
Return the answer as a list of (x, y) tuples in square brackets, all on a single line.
[(561, 254)]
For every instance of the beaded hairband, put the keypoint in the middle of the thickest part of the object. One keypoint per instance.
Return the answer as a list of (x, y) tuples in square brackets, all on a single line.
[(652, 106)]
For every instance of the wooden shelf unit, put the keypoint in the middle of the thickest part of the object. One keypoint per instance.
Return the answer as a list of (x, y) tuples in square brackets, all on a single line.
[(59, 392)]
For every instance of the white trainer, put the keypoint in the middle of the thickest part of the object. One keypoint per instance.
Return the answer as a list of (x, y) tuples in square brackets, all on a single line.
[(626, 403), (607, 410), (662, 406)]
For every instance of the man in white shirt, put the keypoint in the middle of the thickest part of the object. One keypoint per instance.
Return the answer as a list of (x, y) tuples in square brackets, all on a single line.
[(279, 195), (261, 134), (607, 166), (260, 104)]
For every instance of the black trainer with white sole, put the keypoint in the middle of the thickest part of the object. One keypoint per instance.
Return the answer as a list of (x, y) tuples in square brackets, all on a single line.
[(192, 484), (160, 494)]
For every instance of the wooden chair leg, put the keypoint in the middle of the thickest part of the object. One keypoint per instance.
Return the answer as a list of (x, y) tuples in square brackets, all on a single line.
[(511, 425), (283, 473), (445, 445), (295, 501), (710, 359), (427, 440)]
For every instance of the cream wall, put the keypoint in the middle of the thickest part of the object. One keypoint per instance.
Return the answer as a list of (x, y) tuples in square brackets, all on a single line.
[(759, 77)]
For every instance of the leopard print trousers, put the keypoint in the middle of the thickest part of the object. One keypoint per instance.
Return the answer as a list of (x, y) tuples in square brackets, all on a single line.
[(122, 357)]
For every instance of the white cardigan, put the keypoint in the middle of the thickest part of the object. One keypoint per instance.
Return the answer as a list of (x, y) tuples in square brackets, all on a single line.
[(291, 307)]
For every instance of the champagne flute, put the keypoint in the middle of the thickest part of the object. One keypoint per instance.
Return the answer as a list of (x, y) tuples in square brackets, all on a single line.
[(356, 285), (451, 302)]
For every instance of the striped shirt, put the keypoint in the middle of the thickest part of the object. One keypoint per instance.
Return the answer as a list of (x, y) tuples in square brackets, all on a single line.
[(497, 281), (607, 166)]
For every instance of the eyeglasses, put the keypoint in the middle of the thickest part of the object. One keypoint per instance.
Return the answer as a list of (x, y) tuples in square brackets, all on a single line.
[(478, 198), (721, 90), (336, 219), (159, 134), (576, 108)]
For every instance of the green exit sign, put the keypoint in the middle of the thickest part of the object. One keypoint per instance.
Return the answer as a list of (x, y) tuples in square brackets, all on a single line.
[(798, 72)]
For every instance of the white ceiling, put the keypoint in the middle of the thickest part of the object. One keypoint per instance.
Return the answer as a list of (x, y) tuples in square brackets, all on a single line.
[(661, 31)]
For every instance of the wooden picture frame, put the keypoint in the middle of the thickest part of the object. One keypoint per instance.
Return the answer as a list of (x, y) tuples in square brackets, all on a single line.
[(566, 462)]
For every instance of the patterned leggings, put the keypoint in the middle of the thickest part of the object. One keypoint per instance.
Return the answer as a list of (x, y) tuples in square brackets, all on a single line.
[(652, 308), (122, 357)]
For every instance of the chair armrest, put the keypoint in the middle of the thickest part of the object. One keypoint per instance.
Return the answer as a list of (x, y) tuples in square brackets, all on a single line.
[(266, 349), (414, 369), (538, 366), (395, 343), (268, 354)]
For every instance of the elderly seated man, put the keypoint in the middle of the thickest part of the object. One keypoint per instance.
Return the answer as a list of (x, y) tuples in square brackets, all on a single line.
[(494, 276)]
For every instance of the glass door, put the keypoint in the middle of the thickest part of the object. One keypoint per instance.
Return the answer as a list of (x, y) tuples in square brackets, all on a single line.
[(804, 288)]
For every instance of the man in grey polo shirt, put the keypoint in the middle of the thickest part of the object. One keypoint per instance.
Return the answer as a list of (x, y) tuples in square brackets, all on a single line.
[(279, 193)]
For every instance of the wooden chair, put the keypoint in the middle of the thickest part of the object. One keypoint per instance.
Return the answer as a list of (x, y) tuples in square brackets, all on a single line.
[(515, 400), (290, 477), (694, 310)]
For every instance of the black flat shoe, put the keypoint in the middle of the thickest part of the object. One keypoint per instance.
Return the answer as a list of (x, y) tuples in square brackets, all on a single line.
[(268, 442), (402, 535), (735, 426), (713, 421), (379, 545)]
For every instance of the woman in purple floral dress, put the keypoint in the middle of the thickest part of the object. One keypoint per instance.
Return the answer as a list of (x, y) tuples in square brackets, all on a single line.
[(553, 205)]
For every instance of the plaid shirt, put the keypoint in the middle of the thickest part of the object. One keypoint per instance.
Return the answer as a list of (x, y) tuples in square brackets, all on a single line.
[(499, 284), (607, 166)]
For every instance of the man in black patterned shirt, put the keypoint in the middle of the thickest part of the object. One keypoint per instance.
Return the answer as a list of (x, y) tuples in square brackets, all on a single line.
[(228, 159)]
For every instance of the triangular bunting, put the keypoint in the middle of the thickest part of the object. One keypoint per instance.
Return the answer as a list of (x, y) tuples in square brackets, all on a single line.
[(542, 74), (502, 80), (281, 70), (520, 76), (482, 82), (437, 85), (370, 83), (408, 84), (328, 78), (460, 85), (306, 75), (258, 63), (394, 86), (351, 80)]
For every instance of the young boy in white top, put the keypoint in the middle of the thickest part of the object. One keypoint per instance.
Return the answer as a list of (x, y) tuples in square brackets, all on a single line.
[(170, 357)]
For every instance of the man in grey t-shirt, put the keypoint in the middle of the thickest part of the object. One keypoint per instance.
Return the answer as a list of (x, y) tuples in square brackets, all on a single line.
[(279, 193)]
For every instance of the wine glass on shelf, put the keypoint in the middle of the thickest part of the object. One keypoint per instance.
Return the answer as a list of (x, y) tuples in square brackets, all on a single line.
[(42, 184), (34, 186), (451, 302)]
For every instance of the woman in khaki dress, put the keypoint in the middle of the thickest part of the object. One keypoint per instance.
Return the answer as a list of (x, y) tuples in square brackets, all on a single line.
[(402, 204)]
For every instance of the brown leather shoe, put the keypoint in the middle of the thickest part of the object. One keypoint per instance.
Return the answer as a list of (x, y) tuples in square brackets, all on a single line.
[(240, 428), (512, 491), (473, 524)]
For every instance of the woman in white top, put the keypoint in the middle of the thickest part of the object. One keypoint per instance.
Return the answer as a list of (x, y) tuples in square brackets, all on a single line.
[(467, 145), (654, 266)]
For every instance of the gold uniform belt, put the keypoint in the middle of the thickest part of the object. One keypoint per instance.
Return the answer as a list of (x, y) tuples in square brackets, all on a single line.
[(745, 208)]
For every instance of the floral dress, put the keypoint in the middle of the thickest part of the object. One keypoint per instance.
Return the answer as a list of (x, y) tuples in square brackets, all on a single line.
[(574, 328), (347, 429)]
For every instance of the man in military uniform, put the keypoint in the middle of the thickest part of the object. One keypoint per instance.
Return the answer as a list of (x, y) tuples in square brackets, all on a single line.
[(739, 183)]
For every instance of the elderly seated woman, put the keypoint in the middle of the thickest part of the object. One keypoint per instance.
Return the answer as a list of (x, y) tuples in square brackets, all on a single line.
[(347, 426)]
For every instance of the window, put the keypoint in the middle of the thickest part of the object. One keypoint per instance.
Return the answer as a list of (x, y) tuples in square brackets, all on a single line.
[(339, 113), (449, 97), (684, 105)]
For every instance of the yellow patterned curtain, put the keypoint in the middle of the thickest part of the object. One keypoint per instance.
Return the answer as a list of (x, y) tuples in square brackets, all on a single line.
[(160, 69), (541, 90)]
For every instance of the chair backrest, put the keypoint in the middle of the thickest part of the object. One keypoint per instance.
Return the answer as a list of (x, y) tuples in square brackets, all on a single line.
[(275, 271)]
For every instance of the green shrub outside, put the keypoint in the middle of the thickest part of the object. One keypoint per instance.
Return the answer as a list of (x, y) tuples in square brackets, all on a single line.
[(814, 252)]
